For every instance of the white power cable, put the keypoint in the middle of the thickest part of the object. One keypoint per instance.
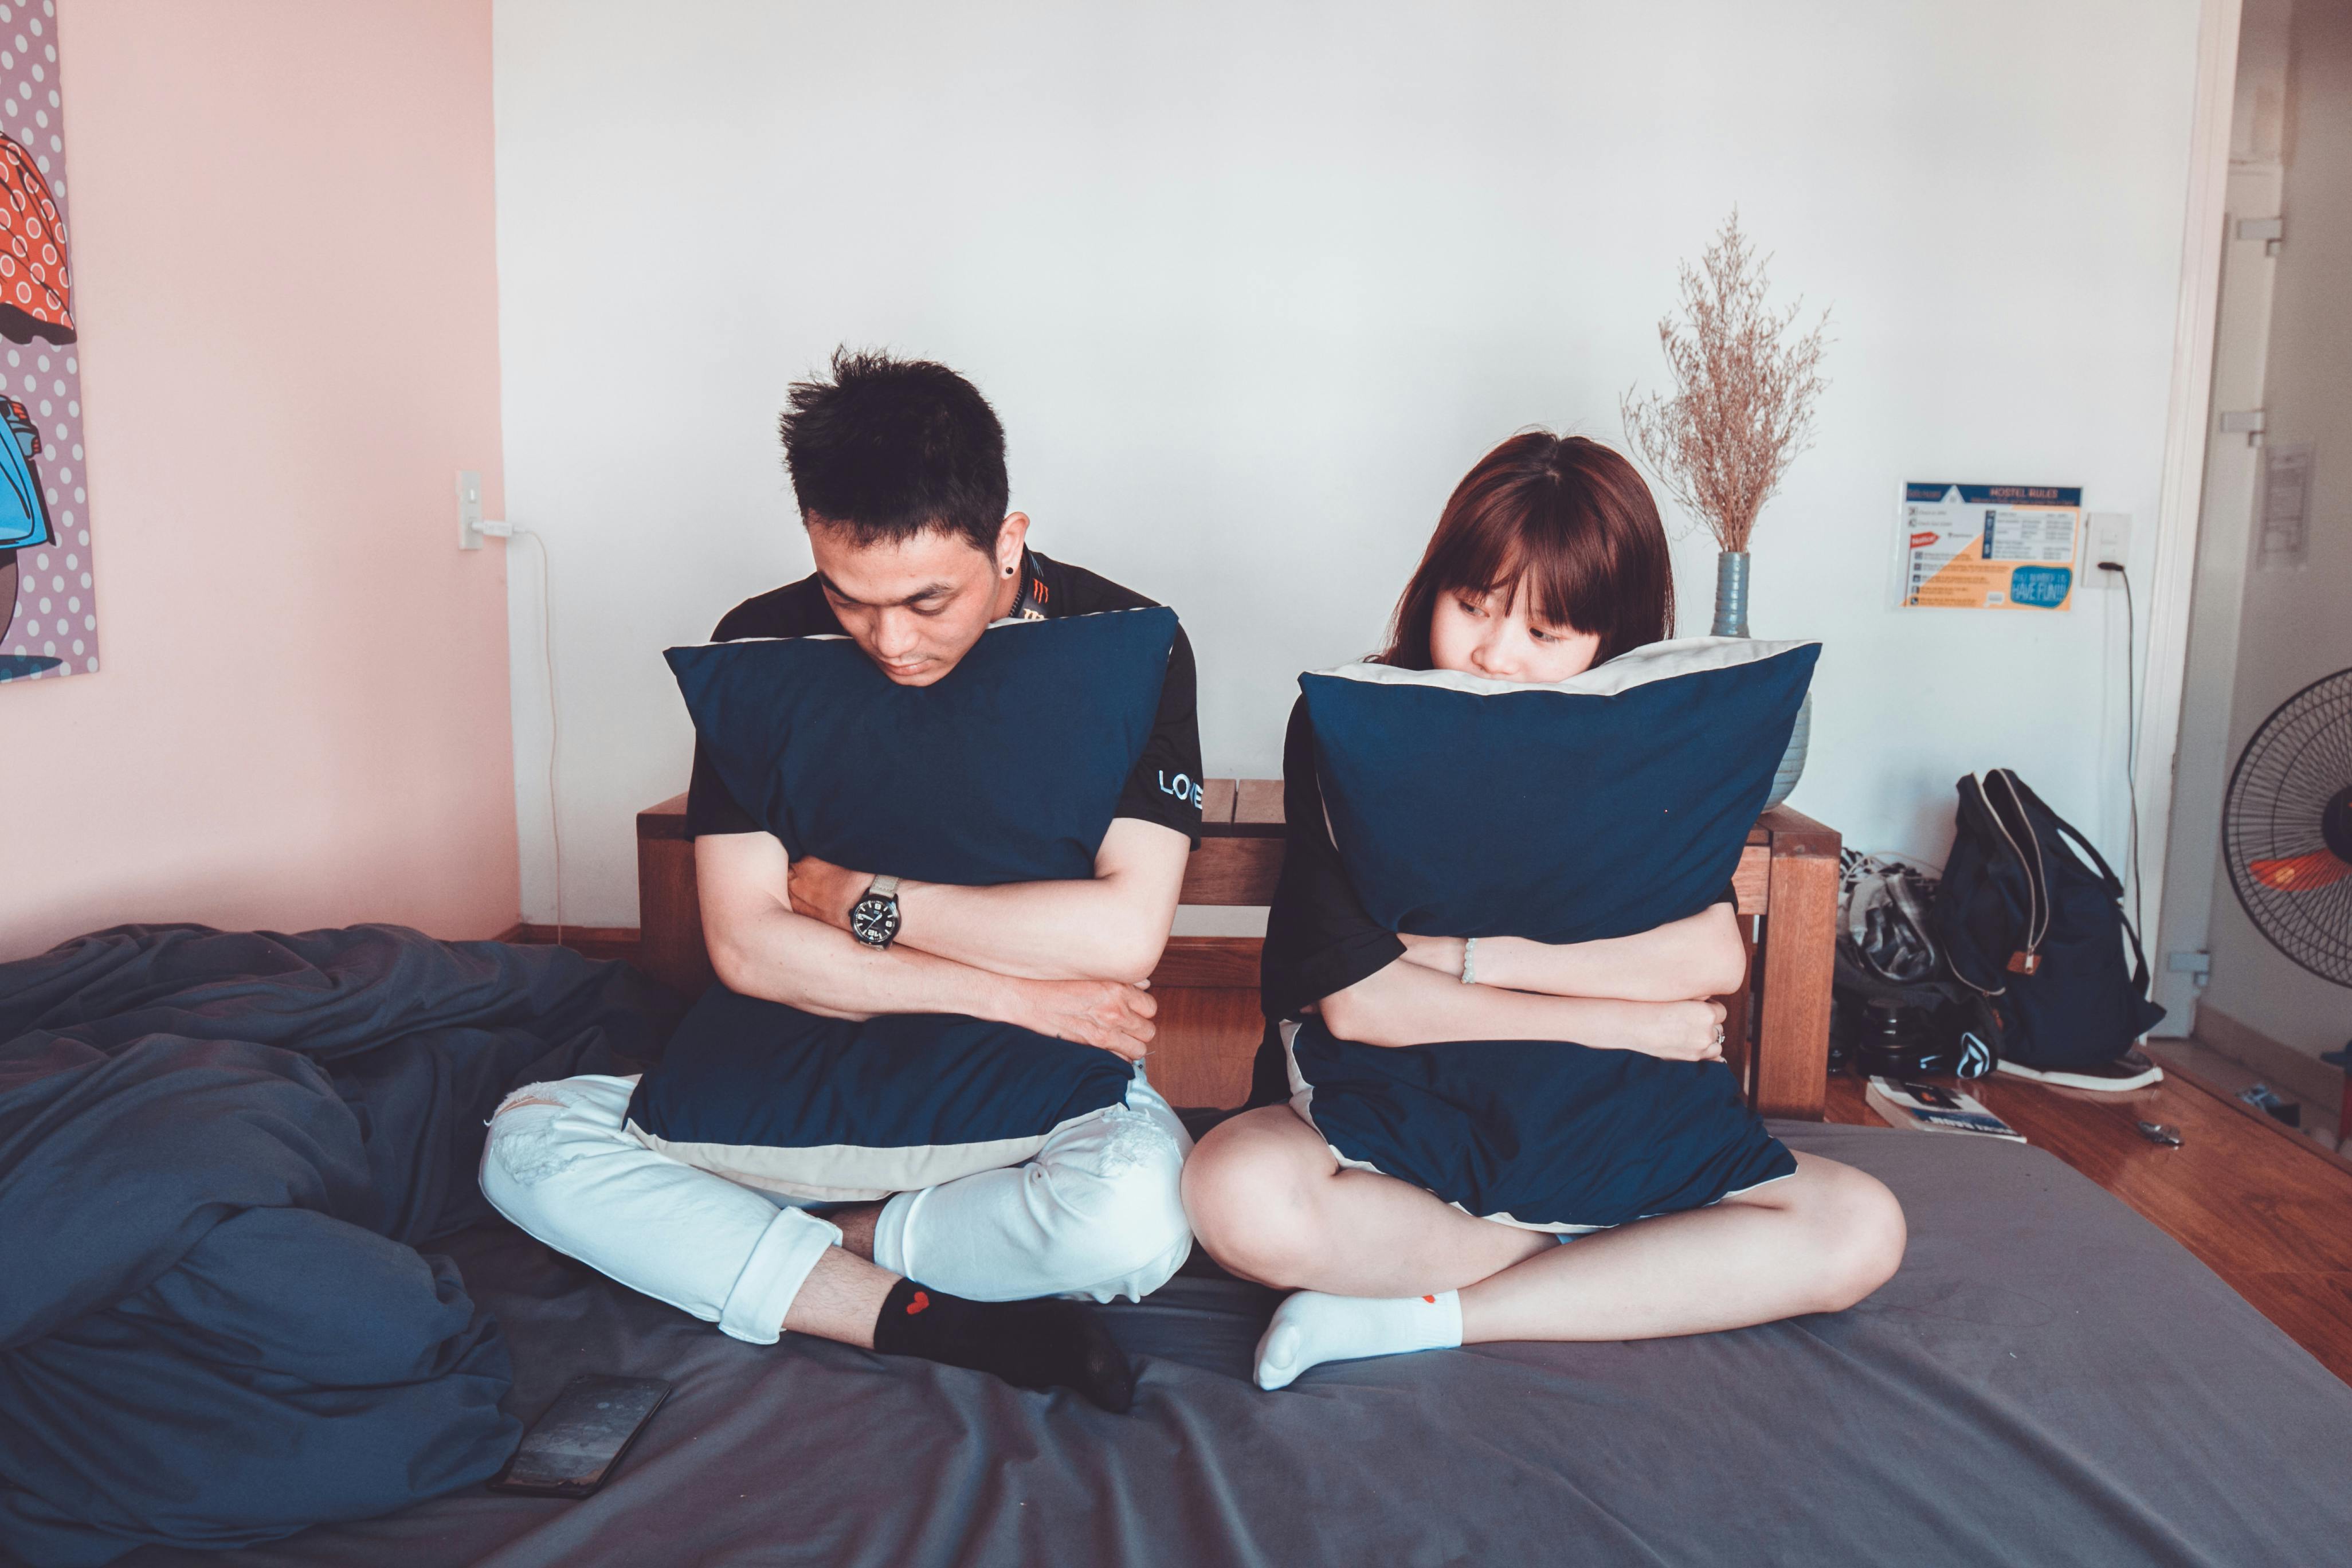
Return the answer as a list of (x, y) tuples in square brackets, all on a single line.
[(2131, 735)]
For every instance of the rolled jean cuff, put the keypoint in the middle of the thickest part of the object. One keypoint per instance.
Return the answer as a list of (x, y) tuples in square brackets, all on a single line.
[(779, 1265), (890, 1231)]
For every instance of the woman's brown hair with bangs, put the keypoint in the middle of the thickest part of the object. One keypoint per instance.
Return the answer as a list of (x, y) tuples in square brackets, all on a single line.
[(1562, 518)]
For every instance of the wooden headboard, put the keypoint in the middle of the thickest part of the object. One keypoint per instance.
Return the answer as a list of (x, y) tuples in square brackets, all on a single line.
[(1787, 884)]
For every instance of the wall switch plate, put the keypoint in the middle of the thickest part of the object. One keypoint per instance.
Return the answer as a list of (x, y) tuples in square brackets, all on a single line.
[(2198, 965), (2110, 541), (469, 508)]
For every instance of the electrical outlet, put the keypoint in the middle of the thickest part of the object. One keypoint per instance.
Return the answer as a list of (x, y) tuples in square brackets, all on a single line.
[(2110, 541), (469, 508)]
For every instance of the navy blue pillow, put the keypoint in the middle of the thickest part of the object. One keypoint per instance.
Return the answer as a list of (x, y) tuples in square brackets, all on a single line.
[(823, 1110), (1599, 806), (1008, 769), (1539, 1133)]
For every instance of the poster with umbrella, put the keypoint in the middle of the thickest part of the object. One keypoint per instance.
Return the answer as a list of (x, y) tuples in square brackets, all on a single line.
[(48, 613)]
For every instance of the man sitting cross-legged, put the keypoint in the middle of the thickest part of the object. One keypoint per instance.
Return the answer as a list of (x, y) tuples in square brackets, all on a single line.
[(899, 468)]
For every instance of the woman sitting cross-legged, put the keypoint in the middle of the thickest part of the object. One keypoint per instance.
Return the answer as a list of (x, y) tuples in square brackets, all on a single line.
[(1549, 559)]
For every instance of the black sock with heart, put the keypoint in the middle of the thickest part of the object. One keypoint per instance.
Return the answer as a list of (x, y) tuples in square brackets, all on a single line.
[(1029, 1344)]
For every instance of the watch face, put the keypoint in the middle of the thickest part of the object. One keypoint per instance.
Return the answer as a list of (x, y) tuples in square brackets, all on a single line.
[(874, 922)]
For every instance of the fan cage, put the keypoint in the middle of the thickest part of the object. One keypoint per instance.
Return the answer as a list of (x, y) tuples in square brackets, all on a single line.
[(2298, 759)]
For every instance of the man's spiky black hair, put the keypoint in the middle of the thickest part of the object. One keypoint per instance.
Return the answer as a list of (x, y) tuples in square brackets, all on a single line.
[(889, 447)]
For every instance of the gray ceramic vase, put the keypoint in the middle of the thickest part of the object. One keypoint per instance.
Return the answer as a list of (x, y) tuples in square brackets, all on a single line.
[(1731, 621)]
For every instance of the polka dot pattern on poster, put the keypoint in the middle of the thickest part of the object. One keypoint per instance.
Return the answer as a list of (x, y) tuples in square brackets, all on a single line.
[(33, 279), (49, 614)]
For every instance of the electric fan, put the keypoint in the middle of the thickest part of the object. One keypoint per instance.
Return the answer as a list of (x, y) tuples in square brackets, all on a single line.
[(2286, 827)]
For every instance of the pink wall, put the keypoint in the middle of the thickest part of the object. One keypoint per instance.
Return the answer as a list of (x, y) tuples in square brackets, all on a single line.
[(286, 284)]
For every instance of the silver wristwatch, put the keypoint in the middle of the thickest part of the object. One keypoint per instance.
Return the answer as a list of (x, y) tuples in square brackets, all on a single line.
[(873, 920)]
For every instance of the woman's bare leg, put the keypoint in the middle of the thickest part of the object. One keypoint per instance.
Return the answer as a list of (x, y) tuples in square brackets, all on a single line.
[(1269, 1202), (1818, 1241)]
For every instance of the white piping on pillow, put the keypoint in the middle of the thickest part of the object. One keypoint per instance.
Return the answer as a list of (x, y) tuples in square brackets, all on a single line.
[(1639, 666)]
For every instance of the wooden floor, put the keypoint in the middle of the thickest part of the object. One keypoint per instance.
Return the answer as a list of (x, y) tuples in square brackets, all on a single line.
[(2228, 1076), (2266, 1209)]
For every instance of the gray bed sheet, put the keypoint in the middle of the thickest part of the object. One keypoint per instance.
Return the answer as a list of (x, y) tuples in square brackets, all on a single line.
[(2048, 1380)]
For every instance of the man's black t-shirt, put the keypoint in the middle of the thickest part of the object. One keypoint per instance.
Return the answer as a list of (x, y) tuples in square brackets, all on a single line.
[(1318, 938), (1165, 786)]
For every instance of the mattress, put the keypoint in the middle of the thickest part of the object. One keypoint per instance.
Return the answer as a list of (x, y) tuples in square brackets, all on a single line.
[(2048, 1379)]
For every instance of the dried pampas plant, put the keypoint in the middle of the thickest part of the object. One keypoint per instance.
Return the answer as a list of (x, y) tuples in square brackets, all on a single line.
[(1745, 380)]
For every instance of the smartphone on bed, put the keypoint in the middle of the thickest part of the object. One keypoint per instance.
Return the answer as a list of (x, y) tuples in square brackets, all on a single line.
[(570, 1450)]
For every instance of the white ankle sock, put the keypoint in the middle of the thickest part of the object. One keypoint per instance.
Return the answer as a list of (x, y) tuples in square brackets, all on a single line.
[(1310, 1328)]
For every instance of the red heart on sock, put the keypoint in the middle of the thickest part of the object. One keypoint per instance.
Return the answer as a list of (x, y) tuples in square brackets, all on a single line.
[(922, 1299), (1430, 1300)]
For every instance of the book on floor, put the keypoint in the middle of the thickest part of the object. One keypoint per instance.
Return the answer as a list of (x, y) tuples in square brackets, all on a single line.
[(1936, 1108)]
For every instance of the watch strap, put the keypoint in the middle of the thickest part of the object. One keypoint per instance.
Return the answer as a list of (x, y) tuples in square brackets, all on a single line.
[(883, 887)]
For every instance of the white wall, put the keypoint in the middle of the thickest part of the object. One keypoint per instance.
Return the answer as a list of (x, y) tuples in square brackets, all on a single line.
[(1251, 287), (2297, 626)]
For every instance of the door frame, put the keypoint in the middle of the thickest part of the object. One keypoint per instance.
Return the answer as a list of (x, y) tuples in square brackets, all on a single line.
[(2188, 417)]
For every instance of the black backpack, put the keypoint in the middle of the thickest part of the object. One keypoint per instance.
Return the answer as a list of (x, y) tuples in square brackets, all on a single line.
[(2038, 933), (1895, 1012), (1929, 1029)]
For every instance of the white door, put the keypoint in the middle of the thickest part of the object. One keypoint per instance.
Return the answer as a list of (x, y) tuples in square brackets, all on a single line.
[(2226, 526)]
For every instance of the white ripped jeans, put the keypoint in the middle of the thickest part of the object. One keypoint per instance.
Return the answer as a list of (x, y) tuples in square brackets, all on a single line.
[(1096, 1212)]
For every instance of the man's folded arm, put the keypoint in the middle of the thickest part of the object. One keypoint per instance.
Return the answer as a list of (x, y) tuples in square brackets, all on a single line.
[(760, 947), (1112, 926)]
